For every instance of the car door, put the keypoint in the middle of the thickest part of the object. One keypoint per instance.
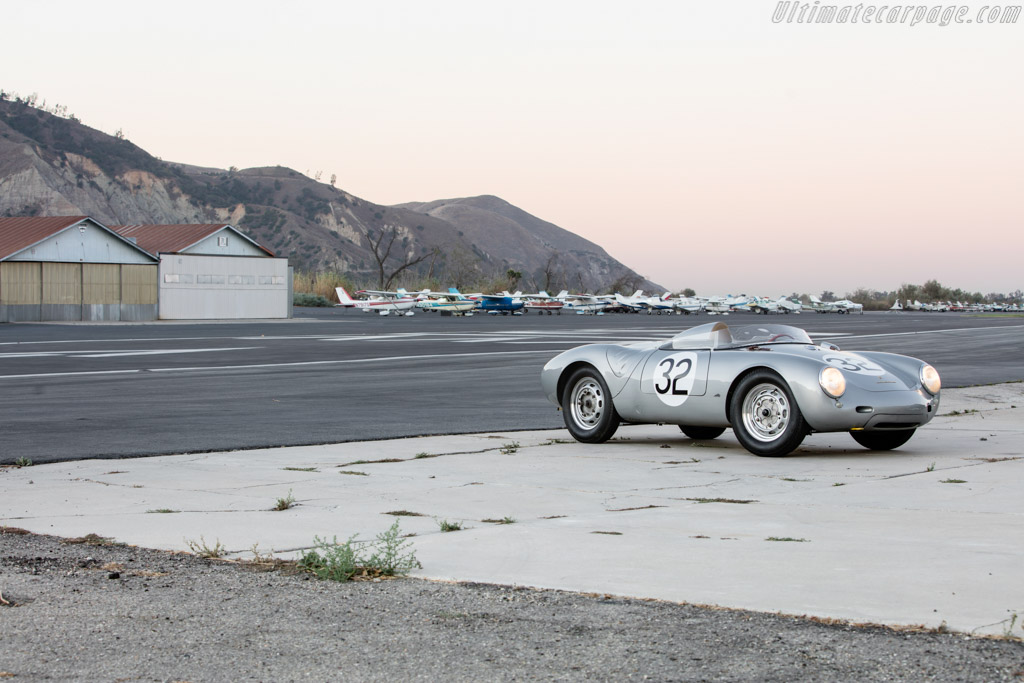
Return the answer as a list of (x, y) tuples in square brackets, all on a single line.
[(669, 379)]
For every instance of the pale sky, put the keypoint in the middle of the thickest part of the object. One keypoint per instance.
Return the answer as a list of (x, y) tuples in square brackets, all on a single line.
[(700, 143)]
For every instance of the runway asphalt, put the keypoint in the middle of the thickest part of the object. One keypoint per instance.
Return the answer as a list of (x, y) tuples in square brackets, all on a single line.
[(73, 391)]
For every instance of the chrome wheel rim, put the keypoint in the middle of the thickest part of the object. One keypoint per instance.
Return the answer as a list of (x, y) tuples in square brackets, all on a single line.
[(766, 412), (587, 401)]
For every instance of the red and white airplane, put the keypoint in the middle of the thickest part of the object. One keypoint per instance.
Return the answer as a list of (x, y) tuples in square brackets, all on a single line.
[(383, 302)]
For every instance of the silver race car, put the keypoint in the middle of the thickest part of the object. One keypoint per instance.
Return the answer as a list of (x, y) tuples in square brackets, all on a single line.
[(770, 383)]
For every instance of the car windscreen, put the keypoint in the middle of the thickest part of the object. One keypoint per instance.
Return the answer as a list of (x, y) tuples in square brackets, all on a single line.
[(757, 335)]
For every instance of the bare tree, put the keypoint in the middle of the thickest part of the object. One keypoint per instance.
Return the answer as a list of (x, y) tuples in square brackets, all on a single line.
[(462, 267), (552, 275), (381, 245)]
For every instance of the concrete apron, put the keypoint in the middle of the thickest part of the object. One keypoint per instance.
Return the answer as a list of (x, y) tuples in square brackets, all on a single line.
[(929, 534)]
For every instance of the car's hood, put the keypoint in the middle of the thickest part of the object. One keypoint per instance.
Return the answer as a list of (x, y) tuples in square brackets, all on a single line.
[(869, 374)]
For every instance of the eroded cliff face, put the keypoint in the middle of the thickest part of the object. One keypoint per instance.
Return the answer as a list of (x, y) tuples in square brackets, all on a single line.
[(80, 187)]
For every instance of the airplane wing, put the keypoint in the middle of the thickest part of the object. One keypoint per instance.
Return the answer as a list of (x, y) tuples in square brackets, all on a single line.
[(387, 295)]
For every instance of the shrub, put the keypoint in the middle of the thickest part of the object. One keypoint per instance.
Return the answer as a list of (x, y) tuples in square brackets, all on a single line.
[(306, 299), (387, 555)]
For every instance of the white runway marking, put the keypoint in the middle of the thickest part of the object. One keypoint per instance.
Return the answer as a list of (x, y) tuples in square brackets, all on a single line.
[(115, 353), (215, 368), (72, 374), (955, 329), (158, 352)]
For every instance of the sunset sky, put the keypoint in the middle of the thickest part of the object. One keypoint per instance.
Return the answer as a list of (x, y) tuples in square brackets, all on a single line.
[(700, 143)]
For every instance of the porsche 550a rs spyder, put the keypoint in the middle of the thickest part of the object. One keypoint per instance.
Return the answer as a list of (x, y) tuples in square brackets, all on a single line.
[(770, 383)]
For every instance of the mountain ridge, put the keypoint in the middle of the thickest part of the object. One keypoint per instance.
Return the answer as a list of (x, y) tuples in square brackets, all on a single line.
[(52, 165)]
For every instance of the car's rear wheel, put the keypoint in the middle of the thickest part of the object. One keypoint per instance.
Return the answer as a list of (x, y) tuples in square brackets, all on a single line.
[(883, 440), (702, 432), (765, 418), (587, 407)]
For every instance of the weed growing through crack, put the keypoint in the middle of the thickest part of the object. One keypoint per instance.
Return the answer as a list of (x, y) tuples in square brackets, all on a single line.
[(387, 555), (405, 513), (966, 411), (371, 462), (1008, 627), (787, 539), (721, 500), (285, 503), (353, 472), (201, 549), (953, 481), (162, 511), (300, 469), (930, 468), (503, 520), (509, 448), (446, 526), (23, 462), (94, 539)]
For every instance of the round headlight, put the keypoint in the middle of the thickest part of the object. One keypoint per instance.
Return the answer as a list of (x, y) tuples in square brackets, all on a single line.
[(832, 381), (930, 379)]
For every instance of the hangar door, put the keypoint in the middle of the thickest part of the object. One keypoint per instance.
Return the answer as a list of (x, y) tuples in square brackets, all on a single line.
[(196, 287)]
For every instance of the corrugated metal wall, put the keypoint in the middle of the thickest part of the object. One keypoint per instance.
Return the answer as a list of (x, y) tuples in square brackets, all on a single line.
[(222, 287), (21, 292), (32, 291), (139, 292)]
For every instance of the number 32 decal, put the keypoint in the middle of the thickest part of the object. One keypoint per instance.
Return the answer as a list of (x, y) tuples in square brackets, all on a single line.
[(673, 378), (851, 364)]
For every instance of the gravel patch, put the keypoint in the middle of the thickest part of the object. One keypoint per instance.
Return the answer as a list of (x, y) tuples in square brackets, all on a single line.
[(90, 612)]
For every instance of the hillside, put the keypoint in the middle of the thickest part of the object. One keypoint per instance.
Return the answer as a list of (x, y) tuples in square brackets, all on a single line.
[(51, 165)]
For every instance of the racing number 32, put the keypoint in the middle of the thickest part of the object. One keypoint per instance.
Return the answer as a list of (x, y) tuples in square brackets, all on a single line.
[(671, 381)]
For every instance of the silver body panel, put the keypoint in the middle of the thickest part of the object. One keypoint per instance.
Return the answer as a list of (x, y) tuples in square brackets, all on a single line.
[(659, 382)]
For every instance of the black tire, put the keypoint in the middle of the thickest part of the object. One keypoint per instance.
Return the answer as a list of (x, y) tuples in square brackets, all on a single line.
[(702, 432), (883, 440), (765, 418), (587, 407)]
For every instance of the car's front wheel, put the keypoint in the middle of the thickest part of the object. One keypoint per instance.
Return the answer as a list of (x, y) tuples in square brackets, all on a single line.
[(883, 440), (587, 407), (702, 432), (765, 418)]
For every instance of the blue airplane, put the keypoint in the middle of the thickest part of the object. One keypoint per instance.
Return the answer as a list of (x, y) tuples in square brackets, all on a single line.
[(495, 304)]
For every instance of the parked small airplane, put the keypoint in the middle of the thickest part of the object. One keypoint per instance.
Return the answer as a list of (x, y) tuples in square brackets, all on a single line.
[(383, 302), (659, 305), (542, 302), (635, 303), (847, 306), (582, 304), (494, 304), (455, 304), (819, 306), (688, 304)]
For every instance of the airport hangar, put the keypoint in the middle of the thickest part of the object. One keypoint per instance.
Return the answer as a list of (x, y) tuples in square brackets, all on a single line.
[(75, 268)]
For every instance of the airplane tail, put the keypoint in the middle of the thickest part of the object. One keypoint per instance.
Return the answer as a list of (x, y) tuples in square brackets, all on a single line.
[(564, 293), (638, 293), (343, 296)]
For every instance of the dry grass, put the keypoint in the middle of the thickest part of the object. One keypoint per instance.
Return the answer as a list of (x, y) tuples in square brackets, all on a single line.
[(322, 284)]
